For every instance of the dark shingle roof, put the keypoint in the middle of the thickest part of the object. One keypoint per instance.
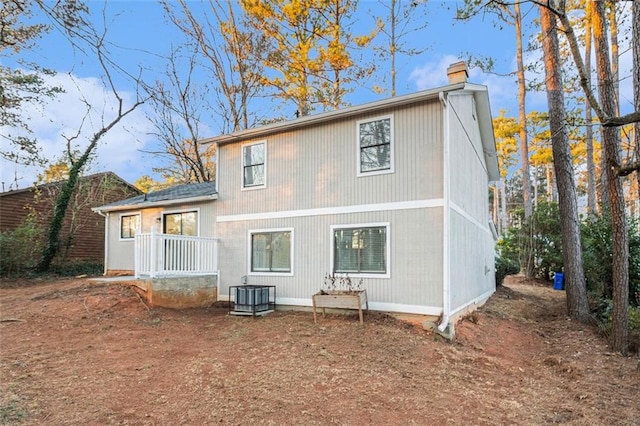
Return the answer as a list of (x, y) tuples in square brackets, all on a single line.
[(180, 192)]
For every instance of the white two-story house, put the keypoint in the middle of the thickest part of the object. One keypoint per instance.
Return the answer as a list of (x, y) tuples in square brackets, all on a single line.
[(393, 192)]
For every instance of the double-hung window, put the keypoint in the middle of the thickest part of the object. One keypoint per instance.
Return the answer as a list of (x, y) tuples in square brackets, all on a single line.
[(375, 146), (361, 249), (271, 251), (254, 162), (181, 223), (129, 224)]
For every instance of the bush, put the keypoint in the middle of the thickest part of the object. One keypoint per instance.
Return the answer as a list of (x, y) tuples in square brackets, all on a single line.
[(536, 242), (504, 267), (21, 247), (597, 256), (73, 269)]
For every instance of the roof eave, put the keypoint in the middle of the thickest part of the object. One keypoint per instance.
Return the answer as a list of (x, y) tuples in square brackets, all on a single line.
[(161, 203), (331, 115)]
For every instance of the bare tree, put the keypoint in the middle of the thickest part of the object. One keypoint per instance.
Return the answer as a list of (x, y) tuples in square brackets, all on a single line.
[(81, 33), (401, 22), (177, 117), (231, 54)]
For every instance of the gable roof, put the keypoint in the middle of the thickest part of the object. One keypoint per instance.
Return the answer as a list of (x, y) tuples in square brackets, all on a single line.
[(479, 92), (189, 192), (102, 175)]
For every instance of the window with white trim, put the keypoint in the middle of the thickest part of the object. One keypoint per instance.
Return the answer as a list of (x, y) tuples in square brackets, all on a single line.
[(361, 249), (375, 146), (181, 223), (254, 162), (129, 225), (271, 251)]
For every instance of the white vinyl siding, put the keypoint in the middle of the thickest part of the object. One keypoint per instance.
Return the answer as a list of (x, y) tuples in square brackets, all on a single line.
[(271, 251), (129, 225), (375, 146), (254, 165), (361, 249)]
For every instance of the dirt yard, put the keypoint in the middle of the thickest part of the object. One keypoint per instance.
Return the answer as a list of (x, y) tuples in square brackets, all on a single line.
[(76, 352)]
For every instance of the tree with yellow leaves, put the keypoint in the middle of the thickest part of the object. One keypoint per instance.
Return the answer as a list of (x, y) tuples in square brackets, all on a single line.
[(506, 130)]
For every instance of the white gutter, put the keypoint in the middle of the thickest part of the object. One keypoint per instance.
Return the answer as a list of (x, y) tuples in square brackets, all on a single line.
[(160, 203), (446, 258)]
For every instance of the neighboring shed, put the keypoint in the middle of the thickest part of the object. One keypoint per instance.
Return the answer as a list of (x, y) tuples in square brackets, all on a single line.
[(82, 236)]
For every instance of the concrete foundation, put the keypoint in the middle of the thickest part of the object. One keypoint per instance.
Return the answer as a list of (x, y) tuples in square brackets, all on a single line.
[(173, 292), (182, 292)]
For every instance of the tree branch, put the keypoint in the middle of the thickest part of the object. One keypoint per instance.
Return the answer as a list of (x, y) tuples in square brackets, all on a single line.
[(627, 169), (633, 117)]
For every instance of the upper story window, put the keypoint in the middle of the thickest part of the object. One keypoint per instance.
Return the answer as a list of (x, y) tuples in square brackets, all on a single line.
[(254, 165), (375, 146), (181, 223), (271, 251), (361, 249), (129, 224)]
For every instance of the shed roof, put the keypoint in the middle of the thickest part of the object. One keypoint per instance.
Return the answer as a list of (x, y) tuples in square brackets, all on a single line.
[(189, 192)]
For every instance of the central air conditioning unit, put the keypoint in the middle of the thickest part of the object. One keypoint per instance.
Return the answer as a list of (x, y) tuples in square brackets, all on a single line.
[(252, 299)]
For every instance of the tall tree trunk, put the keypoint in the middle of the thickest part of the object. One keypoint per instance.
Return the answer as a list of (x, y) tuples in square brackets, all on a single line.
[(524, 145), (577, 303), (611, 142), (393, 47), (635, 30), (615, 62), (588, 118), (522, 91)]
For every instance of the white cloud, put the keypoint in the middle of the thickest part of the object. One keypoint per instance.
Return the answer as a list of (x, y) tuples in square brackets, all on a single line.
[(118, 150)]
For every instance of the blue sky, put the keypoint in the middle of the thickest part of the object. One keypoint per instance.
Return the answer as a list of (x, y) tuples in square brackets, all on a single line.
[(140, 36)]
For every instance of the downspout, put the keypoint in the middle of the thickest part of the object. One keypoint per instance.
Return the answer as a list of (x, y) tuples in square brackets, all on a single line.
[(106, 240), (446, 258)]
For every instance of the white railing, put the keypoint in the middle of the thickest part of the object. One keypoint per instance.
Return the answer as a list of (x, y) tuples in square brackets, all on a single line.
[(158, 255)]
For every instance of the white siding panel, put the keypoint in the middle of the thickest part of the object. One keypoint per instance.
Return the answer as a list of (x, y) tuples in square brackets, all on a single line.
[(415, 259), (469, 184), (472, 265), (317, 167)]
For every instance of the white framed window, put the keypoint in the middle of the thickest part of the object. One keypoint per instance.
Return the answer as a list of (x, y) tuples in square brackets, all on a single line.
[(361, 249), (254, 165), (181, 223), (129, 225), (271, 252), (375, 146)]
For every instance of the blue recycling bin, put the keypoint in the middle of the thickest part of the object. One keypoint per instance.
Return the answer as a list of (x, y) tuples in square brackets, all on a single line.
[(558, 281)]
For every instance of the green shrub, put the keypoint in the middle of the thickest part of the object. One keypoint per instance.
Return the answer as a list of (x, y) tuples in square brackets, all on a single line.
[(21, 247), (536, 242), (597, 256), (504, 267), (75, 268)]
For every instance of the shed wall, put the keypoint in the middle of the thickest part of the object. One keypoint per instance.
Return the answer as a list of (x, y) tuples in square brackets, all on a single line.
[(87, 243)]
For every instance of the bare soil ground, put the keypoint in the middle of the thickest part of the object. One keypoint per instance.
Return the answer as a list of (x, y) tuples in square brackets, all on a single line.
[(76, 352)]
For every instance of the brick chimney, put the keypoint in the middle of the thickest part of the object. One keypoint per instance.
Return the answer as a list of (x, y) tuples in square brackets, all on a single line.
[(457, 72)]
